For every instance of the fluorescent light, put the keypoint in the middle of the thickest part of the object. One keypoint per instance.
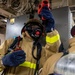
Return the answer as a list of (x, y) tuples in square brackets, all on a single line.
[(12, 20)]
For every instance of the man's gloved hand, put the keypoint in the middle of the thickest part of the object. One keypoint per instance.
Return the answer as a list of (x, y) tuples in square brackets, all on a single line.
[(14, 59), (46, 16), (44, 3), (49, 20), (44, 8)]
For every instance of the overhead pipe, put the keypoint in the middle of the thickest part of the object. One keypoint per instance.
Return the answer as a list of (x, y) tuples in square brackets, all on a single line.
[(50, 4)]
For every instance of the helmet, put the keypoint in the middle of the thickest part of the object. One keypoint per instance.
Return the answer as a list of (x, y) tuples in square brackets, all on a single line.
[(43, 4), (34, 28), (73, 31), (66, 65)]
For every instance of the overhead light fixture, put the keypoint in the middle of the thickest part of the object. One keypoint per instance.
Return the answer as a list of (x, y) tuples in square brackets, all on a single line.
[(5, 20), (12, 20)]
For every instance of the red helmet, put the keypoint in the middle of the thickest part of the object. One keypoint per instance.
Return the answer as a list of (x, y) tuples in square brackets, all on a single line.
[(73, 31), (45, 3), (42, 4)]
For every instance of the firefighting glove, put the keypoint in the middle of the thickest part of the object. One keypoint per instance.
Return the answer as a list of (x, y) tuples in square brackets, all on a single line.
[(48, 20), (46, 13), (14, 59)]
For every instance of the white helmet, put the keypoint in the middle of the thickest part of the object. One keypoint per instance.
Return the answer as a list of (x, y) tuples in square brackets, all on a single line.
[(66, 65)]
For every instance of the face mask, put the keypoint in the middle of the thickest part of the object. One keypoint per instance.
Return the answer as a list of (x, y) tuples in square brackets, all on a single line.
[(34, 31)]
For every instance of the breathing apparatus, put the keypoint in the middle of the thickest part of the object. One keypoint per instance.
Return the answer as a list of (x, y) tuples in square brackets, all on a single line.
[(35, 29)]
